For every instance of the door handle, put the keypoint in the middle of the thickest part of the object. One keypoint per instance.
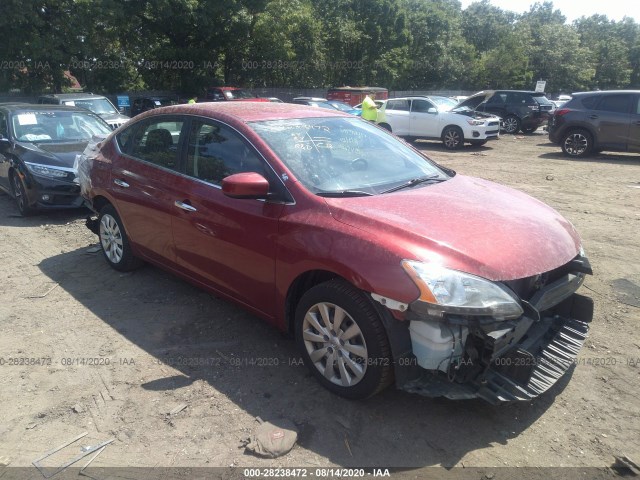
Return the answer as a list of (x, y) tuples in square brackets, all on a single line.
[(121, 183), (593, 117), (185, 206)]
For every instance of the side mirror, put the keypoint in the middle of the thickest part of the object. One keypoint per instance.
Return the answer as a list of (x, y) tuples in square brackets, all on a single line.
[(5, 144), (245, 185), (432, 110)]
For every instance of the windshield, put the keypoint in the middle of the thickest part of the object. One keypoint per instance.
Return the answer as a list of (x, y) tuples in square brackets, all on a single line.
[(343, 107), (99, 106), (344, 155), (236, 94), (49, 126), (444, 104)]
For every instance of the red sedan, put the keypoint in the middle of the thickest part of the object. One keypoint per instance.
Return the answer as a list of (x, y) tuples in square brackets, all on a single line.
[(387, 267)]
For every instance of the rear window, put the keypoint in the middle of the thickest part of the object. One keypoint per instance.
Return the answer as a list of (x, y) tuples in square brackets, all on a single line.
[(542, 100)]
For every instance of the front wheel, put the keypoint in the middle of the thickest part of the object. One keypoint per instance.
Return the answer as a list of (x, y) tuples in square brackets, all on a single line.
[(114, 241), (343, 341), (20, 195), (453, 138), (577, 143)]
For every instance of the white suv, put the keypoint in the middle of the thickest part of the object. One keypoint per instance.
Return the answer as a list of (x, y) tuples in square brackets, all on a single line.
[(424, 117)]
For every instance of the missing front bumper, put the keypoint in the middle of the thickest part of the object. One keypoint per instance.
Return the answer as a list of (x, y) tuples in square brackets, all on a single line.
[(527, 368)]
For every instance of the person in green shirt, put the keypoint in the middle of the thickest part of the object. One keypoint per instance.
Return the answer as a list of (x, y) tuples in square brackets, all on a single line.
[(369, 109)]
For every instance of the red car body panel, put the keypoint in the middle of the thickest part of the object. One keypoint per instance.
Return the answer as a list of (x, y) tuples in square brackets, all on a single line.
[(252, 251)]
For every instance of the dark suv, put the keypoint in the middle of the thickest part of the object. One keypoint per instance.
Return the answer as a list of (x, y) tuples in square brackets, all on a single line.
[(596, 121), (519, 109)]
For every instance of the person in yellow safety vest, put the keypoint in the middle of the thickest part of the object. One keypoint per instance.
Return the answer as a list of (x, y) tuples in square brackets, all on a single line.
[(369, 109), (193, 99)]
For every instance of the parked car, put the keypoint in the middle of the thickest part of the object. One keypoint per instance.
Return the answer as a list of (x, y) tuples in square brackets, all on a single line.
[(597, 121), (422, 117), (98, 104), (519, 109), (142, 104), (386, 266), (343, 107), (38, 146), (222, 94)]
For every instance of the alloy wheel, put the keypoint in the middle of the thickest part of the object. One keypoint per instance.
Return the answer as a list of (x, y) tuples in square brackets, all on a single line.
[(335, 344), (576, 144), (111, 239), (510, 125)]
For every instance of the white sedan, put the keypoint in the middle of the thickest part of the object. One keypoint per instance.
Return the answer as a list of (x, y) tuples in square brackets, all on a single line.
[(423, 117)]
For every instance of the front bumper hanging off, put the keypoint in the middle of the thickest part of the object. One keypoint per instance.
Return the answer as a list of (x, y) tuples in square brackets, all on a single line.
[(507, 361)]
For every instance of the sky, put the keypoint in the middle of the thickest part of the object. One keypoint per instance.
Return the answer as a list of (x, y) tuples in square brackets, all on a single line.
[(574, 9)]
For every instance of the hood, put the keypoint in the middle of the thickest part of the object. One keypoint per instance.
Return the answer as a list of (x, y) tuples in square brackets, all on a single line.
[(467, 224), (54, 154)]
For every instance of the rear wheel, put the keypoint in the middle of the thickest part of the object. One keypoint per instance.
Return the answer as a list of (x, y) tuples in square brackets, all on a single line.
[(511, 124), (114, 241), (453, 138), (577, 143), (343, 341), (20, 195), (386, 126)]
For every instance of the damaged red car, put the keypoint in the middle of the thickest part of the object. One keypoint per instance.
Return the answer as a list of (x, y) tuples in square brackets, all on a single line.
[(386, 267)]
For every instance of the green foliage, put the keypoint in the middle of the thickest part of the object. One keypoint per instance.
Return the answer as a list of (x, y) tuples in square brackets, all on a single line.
[(188, 45)]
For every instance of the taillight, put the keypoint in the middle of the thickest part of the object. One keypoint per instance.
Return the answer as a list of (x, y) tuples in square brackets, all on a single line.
[(562, 111)]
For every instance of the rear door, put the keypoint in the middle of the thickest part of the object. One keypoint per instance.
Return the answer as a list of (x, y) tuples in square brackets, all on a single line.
[(145, 184), (612, 119), (397, 113), (223, 242), (423, 123)]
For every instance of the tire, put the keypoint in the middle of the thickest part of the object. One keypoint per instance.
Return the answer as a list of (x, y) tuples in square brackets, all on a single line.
[(386, 126), (20, 196), (577, 143), (511, 124), (352, 359), (529, 129), (453, 138), (478, 143), (114, 241)]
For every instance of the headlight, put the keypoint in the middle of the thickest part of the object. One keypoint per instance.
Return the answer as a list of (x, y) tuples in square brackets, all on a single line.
[(45, 171), (475, 122), (461, 293)]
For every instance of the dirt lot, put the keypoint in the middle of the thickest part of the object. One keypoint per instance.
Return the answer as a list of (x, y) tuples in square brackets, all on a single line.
[(113, 354)]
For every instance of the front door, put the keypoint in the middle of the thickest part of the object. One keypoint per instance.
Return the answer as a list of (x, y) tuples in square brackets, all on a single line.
[(226, 243)]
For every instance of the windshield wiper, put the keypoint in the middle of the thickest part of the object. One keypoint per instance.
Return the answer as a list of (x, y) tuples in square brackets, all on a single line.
[(415, 181), (345, 193)]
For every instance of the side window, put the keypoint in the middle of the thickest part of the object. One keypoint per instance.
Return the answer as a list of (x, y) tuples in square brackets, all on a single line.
[(216, 151), (157, 142), (402, 105), (421, 106), (497, 99), (590, 102), (638, 105), (517, 98), (615, 103), (123, 138)]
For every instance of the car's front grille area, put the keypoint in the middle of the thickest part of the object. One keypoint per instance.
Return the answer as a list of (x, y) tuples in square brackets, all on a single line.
[(492, 132)]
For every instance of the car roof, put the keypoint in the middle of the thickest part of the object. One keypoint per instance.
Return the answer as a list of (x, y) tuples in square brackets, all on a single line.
[(72, 96), (39, 107), (600, 92), (247, 111)]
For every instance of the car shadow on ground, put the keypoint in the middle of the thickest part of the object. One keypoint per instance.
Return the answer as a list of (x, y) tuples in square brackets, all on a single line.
[(260, 371), (427, 146), (604, 157), (50, 217)]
